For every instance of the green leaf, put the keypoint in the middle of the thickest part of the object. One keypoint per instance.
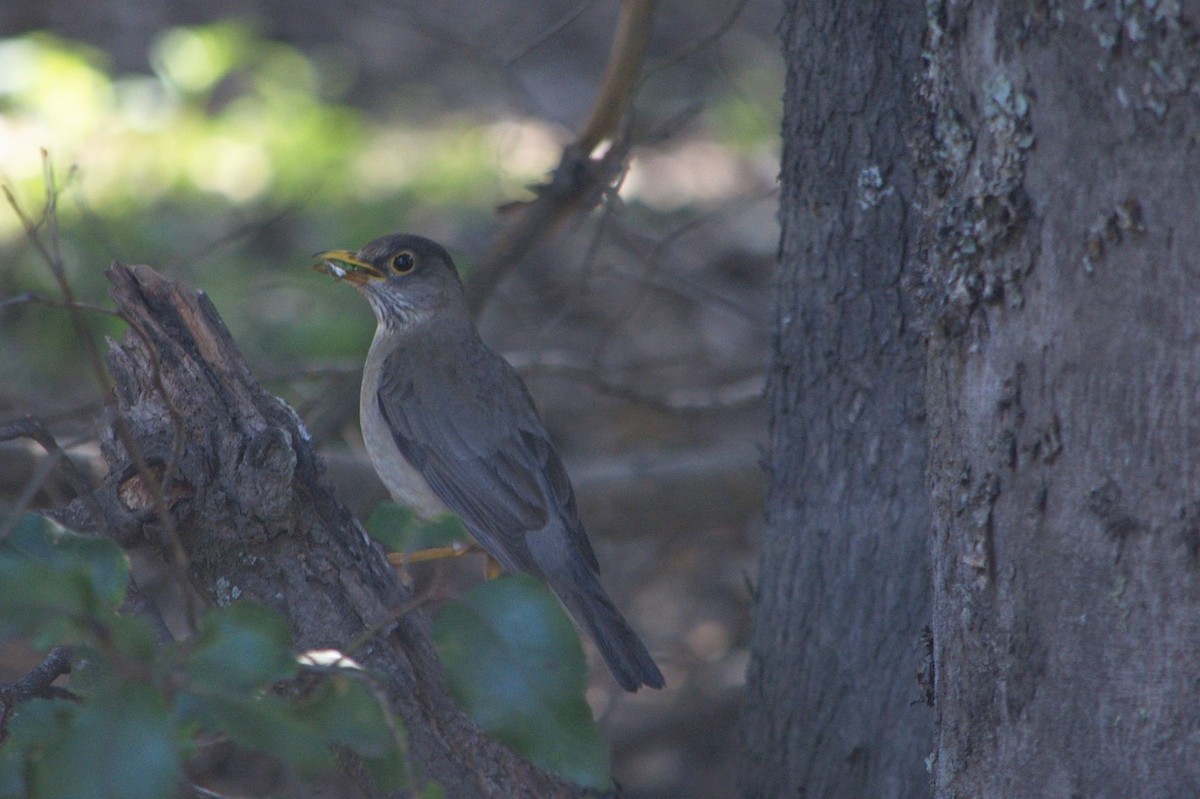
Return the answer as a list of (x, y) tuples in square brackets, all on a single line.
[(100, 560), (32, 725), (240, 648), (398, 528), (391, 525), (12, 777), (442, 531), (134, 638), (348, 715), (50, 576), (387, 771), (513, 660), (266, 724), (91, 671), (433, 790), (120, 745)]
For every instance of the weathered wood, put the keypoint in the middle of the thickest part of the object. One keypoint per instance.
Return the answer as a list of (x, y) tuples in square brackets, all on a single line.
[(255, 522)]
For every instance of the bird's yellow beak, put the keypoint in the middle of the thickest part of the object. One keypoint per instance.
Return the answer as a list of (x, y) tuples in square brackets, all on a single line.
[(345, 265)]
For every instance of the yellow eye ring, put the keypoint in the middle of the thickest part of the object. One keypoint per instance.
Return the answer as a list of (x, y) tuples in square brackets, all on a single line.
[(404, 263)]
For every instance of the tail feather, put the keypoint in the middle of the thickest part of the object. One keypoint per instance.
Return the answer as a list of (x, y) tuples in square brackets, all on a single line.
[(625, 654)]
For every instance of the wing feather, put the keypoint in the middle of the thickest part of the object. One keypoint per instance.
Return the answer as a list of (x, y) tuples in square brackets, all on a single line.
[(471, 430)]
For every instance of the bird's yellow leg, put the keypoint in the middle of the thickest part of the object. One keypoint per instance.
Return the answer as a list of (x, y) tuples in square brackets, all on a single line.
[(455, 550), (491, 567)]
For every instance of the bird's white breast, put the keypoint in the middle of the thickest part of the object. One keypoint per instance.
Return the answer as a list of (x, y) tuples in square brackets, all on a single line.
[(403, 482)]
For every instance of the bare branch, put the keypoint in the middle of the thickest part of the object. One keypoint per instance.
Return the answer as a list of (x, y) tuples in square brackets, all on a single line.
[(624, 64), (28, 428), (44, 469), (254, 516), (37, 683), (740, 393), (577, 185), (29, 297), (152, 481), (582, 179)]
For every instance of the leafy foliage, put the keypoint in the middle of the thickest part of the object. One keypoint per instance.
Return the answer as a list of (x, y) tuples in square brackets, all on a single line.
[(511, 655), (513, 660), (398, 528), (240, 649), (129, 730), (55, 582), (141, 706)]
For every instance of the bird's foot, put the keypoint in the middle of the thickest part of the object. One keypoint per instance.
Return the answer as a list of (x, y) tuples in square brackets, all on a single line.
[(455, 550), (491, 567)]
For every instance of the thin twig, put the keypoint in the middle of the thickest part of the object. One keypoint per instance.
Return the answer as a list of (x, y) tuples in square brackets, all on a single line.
[(384, 625), (740, 393), (577, 185), (52, 255), (545, 36), (583, 178), (654, 262), (620, 77), (206, 793), (30, 297), (31, 429), (43, 471), (39, 682), (702, 43), (573, 299), (136, 603), (451, 42), (211, 248)]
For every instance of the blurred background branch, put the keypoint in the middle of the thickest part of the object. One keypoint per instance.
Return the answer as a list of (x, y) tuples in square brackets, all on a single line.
[(582, 177)]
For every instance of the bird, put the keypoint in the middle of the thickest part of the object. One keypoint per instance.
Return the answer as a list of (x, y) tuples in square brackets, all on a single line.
[(449, 425)]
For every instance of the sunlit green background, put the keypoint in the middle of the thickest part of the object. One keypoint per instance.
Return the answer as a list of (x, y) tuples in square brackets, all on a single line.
[(183, 168), (237, 156)]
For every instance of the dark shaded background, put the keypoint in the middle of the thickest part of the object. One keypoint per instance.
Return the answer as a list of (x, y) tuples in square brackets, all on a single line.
[(642, 330)]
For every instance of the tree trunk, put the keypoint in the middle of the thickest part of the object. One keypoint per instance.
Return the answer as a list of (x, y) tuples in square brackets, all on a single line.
[(833, 706), (254, 521), (1062, 184)]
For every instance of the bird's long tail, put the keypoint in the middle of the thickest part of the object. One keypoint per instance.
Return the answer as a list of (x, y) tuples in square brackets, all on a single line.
[(586, 600)]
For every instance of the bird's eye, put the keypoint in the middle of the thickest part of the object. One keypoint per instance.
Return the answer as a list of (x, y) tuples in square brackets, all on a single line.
[(404, 263)]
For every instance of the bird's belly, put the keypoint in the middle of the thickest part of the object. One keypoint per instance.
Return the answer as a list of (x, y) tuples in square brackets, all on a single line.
[(403, 482)]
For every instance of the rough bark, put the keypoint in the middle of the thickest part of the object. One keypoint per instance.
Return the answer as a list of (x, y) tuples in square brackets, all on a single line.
[(248, 504), (833, 706), (1064, 371)]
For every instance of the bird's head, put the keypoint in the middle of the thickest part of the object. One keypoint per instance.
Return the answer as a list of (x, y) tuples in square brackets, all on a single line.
[(406, 278)]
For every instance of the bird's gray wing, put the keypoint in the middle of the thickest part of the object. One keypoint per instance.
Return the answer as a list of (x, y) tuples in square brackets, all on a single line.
[(468, 425)]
